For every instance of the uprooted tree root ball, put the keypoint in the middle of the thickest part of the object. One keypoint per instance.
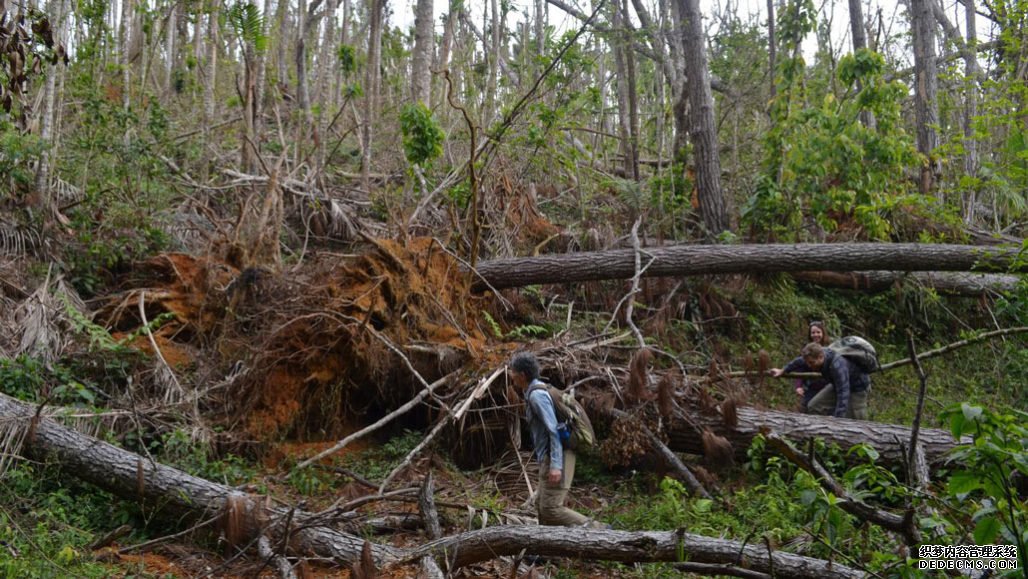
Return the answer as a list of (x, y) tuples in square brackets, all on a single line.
[(310, 352)]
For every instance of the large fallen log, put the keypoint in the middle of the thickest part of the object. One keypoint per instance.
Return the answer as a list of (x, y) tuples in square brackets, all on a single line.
[(889, 440), (684, 260), (948, 282), (134, 477)]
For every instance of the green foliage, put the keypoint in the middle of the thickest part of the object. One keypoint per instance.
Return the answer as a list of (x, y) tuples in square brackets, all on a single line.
[(347, 55), (985, 483), (376, 463), (422, 136), (825, 164), (248, 23), (19, 152), (46, 526), (31, 380), (179, 449)]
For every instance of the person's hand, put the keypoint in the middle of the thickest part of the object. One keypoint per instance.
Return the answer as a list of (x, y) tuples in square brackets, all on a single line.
[(799, 391), (554, 476), (776, 372)]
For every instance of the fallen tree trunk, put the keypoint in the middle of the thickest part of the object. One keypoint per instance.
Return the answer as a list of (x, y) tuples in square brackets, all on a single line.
[(135, 478), (652, 546), (684, 260), (948, 282), (888, 439)]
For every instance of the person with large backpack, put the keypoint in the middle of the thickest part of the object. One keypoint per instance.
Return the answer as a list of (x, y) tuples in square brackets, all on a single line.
[(846, 395), (558, 425)]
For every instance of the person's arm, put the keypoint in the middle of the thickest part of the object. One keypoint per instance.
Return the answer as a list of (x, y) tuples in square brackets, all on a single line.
[(840, 375), (542, 405), (796, 365)]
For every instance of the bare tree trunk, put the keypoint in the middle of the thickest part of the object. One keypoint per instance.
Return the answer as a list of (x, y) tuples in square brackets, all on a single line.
[(633, 100), (303, 99), (377, 8), (702, 129), (124, 48), (262, 74), (970, 113), (326, 60), (170, 34), (210, 77), (42, 199), (443, 55), (947, 282), (683, 260), (282, 66), (772, 50), (493, 55), (925, 89), (421, 59), (867, 118), (621, 67)]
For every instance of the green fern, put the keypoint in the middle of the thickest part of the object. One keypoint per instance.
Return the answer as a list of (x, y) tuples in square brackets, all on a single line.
[(248, 23)]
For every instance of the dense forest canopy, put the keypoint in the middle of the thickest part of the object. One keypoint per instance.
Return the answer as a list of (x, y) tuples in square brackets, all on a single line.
[(287, 248)]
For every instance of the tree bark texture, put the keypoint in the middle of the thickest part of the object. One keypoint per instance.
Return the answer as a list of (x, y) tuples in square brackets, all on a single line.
[(926, 108), (970, 112), (949, 282), (887, 439), (134, 477), (376, 7), (684, 260), (421, 58), (860, 41), (702, 127)]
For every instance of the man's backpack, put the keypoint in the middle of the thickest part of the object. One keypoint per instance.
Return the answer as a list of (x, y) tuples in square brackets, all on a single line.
[(859, 351), (570, 415)]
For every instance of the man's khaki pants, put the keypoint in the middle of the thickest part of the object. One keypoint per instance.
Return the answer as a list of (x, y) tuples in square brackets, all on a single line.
[(552, 496), (824, 403)]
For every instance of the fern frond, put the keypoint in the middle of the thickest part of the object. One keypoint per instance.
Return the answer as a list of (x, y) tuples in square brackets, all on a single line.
[(248, 22)]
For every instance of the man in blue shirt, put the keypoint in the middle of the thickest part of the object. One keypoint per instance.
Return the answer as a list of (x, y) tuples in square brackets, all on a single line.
[(556, 463), (846, 394)]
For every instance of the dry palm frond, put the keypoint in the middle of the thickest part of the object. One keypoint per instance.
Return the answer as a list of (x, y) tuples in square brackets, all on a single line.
[(639, 377), (729, 412), (67, 193), (12, 435), (717, 450), (38, 321), (18, 240), (666, 395)]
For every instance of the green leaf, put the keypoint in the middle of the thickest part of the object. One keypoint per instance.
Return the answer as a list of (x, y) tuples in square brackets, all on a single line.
[(986, 530), (971, 413), (963, 482), (956, 424)]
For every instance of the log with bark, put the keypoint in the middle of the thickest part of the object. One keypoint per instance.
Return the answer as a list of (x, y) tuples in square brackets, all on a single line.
[(949, 282), (888, 439), (134, 477), (685, 260)]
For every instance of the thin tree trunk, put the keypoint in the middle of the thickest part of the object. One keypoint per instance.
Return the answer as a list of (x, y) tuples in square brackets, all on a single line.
[(42, 198), (867, 118), (971, 162), (443, 55), (170, 35), (124, 47), (925, 90), (683, 260), (421, 59), (947, 282), (262, 74), (621, 67), (371, 86), (772, 50), (303, 100), (633, 100), (702, 129), (282, 62), (493, 55)]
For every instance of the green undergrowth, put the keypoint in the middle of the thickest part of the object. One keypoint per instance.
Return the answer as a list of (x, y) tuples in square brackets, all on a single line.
[(48, 520)]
